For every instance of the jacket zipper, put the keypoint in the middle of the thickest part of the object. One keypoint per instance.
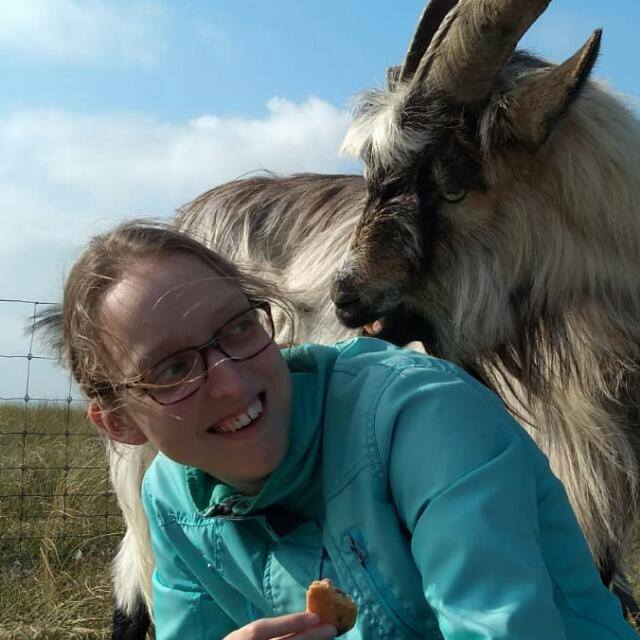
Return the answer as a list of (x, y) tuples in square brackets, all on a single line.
[(252, 611), (362, 559), (357, 552)]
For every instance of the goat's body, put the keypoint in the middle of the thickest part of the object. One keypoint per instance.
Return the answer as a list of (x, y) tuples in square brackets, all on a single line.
[(292, 230)]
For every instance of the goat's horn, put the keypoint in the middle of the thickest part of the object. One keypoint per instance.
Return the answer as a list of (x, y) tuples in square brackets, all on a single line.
[(473, 43), (430, 20)]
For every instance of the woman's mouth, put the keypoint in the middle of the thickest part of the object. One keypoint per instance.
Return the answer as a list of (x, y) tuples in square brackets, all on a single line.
[(240, 420)]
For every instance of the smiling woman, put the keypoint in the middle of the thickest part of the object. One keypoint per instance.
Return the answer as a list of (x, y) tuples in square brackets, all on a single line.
[(278, 468), (191, 403)]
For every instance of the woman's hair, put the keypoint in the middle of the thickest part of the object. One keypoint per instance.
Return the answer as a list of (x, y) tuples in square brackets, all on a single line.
[(76, 328)]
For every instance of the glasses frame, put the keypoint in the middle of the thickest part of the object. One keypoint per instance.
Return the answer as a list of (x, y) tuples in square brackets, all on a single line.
[(201, 350)]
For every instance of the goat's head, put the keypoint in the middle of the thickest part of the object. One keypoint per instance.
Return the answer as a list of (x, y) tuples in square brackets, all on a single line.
[(458, 139)]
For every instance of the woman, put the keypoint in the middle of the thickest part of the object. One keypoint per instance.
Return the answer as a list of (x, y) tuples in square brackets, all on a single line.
[(394, 474)]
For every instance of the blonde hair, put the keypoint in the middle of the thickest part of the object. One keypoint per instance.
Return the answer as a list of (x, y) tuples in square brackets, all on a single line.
[(76, 325)]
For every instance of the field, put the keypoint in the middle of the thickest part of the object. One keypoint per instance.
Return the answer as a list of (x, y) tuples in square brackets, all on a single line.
[(59, 526)]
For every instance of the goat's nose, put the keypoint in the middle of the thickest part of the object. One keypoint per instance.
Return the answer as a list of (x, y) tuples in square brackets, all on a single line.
[(344, 299), (343, 292)]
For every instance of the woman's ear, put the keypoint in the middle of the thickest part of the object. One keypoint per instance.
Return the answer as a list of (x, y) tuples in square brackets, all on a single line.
[(114, 426)]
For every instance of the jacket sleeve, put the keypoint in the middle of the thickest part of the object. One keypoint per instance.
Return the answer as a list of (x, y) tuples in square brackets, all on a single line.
[(181, 607), (462, 478)]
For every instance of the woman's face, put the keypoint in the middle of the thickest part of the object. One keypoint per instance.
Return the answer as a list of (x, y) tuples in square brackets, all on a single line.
[(174, 301)]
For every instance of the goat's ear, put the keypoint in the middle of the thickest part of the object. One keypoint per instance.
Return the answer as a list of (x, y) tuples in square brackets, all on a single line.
[(536, 105)]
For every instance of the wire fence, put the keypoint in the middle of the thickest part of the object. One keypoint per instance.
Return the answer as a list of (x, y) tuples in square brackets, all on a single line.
[(54, 486)]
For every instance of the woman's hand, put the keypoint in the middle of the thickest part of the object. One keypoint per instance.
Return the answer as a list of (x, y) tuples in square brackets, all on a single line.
[(296, 626)]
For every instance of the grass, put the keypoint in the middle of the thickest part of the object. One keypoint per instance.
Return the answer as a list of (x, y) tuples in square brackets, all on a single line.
[(59, 526)]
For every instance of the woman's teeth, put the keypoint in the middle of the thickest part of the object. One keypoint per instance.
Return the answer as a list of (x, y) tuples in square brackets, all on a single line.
[(234, 423)]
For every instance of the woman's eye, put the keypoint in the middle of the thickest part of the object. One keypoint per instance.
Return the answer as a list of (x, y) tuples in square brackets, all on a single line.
[(244, 325), (174, 370), (240, 327)]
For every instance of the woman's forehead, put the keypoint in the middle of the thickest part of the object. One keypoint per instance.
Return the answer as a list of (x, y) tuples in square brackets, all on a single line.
[(174, 282), (166, 300)]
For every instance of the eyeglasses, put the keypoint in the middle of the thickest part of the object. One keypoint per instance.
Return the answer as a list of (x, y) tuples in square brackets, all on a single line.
[(181, 374)]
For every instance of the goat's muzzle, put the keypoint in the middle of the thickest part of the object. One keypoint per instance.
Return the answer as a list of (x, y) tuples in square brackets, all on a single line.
[(352, 307), (347, 300), (348, 307)]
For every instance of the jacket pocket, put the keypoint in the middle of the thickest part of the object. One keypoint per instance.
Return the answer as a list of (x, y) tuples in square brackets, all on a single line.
[(369, 580)]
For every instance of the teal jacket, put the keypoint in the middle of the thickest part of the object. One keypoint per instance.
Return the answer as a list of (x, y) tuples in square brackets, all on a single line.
[(408, 484)]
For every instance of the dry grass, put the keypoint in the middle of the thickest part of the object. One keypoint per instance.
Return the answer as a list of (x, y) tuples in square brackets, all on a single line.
[(57, 599), (59, 525), (55, 580)]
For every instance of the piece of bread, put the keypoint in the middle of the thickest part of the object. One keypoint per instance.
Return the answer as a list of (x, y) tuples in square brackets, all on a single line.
[(331, 605)]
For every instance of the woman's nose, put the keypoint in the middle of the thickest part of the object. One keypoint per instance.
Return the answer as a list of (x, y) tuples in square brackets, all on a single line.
[(224, 376)]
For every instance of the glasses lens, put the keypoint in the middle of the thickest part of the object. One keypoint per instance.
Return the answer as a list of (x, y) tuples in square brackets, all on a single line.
[(246, 335), (176, 377)]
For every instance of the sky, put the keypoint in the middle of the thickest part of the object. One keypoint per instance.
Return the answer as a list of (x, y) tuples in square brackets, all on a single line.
[(111, 109)]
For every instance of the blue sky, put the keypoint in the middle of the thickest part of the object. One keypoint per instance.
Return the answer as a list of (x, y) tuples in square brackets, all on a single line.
[(114, 108), (180, 59)]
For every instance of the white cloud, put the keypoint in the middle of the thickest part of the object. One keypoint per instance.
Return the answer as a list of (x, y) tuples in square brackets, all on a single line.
[(84, 31), (63, 175)]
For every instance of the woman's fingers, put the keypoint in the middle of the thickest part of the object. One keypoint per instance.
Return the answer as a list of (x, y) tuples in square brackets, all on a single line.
[(319, 632), (295, 626), (269, 628)]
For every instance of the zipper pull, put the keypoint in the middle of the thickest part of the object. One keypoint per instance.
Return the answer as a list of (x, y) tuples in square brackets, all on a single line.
[(357, 551), (222, 509)]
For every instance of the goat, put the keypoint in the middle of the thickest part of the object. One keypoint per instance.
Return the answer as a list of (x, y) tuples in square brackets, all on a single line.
[(503, 210)]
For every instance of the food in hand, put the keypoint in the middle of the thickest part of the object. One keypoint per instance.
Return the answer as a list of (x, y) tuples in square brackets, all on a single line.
[(331, 605)]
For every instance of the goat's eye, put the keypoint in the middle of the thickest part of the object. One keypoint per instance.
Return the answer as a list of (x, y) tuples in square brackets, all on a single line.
[(455, 196)]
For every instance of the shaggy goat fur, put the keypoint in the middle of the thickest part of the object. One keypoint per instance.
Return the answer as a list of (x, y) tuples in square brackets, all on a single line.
[(531, 280)]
